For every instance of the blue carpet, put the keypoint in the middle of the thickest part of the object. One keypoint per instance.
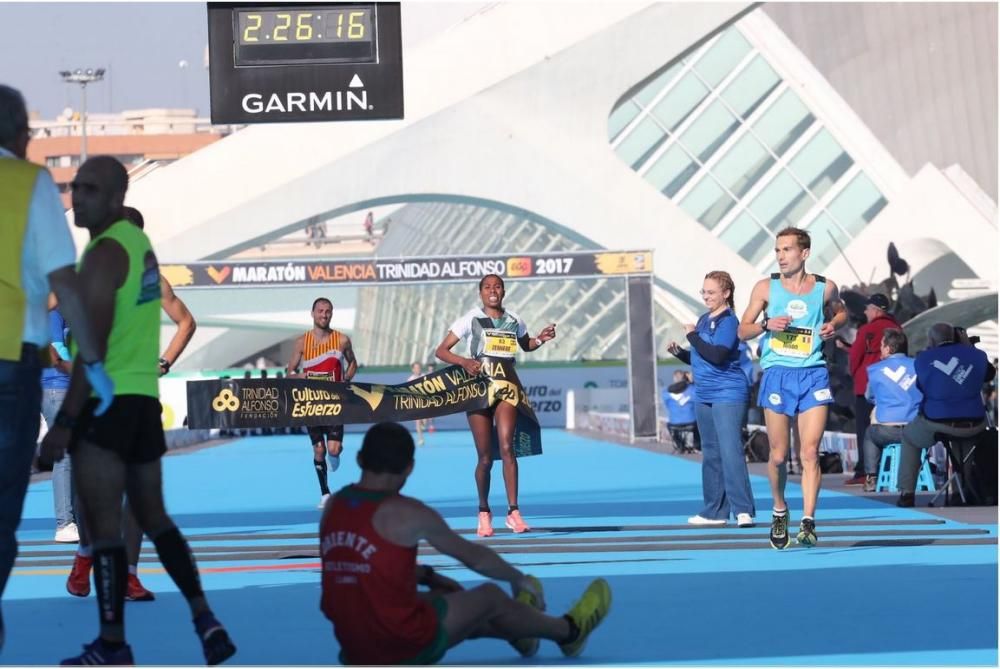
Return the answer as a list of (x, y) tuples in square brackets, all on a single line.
[(878, 590)]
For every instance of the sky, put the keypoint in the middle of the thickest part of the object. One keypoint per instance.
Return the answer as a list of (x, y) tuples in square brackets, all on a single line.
[(154, 52)]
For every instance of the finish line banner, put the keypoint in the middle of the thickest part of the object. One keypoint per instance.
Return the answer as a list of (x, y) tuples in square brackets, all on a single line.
[(227, 274), (250, 403)]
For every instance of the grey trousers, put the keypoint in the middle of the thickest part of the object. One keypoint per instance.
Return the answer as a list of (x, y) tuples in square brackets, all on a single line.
[(919, 435), (877, 437)]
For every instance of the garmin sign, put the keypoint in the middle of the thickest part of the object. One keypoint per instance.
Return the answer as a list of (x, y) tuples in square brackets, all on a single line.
[(305, 62), (301, 102)]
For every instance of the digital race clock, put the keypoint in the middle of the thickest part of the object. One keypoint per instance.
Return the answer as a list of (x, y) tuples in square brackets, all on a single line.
[(306, 34), (305, 61)]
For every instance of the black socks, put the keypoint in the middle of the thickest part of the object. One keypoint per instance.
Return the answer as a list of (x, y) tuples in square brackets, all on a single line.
[(110, 577), (574, 631), (177, 559), (321, 475)]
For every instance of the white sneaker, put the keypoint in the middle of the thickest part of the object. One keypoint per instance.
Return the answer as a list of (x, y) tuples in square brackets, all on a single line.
[(322, 501), (744, 520), (68, 534), (699, 520)]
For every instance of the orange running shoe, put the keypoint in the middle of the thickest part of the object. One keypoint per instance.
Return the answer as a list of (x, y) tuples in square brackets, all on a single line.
[(485, 528), (135, 592), (78, 583), (516, 522)]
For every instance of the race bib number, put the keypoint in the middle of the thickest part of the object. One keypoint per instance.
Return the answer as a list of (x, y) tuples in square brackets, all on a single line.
[(499, 343), (793, 342)]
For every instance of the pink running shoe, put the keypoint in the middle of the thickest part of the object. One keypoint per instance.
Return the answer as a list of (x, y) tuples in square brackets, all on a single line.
[(485, 528), (516, 522)]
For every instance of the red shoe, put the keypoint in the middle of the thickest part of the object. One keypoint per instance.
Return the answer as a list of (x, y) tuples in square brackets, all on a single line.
[(856, 479), (134, 592), (78, 583)]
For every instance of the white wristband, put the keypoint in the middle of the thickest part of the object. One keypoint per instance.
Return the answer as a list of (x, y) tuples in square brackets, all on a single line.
[(539, 342)]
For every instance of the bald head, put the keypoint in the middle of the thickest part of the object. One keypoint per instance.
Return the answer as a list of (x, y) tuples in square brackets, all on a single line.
[(941, 333), (110, 171), (99, 193), (13, 121)]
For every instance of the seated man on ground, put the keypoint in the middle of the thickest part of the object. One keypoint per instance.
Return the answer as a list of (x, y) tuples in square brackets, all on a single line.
[(950, 373), (892, 388), (368, 545)]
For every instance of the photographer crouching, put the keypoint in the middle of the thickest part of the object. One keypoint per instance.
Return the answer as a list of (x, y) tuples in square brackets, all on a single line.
[(950, 374)]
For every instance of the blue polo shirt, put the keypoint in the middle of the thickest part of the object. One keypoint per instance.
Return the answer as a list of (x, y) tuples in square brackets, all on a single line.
[(716, 359), (892, 388)]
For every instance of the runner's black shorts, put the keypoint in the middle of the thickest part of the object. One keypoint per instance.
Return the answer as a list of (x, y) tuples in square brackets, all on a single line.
[(332, 432), (131, 427)]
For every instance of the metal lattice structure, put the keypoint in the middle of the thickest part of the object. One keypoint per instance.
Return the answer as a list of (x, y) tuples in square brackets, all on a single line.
[(401, 324)]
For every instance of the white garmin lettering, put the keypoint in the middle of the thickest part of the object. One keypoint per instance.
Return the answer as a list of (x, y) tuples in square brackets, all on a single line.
[(299, 102)]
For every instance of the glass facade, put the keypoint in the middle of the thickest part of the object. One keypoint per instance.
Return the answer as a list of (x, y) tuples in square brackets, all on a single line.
[(721, 134), (396, 325)]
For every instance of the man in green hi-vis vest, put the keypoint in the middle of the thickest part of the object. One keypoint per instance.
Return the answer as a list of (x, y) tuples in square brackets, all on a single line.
[(121, 450), (36, 256)]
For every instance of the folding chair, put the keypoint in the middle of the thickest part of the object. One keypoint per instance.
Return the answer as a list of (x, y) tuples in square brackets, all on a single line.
[(959, 450), (682, 435)]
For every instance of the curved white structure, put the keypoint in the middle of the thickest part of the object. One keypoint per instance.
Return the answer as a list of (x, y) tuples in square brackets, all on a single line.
[(519, 124), (509, 111)]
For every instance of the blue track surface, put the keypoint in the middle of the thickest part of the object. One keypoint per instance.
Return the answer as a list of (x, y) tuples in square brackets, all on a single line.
[(878, 590)]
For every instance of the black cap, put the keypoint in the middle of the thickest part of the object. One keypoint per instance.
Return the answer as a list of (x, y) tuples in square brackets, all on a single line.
[(879, 300)]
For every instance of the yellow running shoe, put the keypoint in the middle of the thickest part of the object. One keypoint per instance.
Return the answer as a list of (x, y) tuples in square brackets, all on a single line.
[(587, 614), (528, 647)]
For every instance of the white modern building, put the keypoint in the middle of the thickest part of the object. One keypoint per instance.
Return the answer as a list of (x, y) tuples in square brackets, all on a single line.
[(695, 130)]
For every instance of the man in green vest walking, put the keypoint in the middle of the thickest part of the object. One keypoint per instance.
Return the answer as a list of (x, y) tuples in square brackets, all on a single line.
[(120, 451), (36, 254)]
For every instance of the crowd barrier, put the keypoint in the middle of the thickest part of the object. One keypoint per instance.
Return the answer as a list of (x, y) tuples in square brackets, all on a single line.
[(606, 411)]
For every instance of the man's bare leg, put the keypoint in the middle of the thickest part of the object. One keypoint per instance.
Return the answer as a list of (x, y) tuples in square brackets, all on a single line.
[(777, 474), (777, 471), (333, 449), (811, 425), (488, 611)]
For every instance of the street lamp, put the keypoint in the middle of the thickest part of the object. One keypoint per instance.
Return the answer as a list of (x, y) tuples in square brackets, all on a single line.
[(82, 77)]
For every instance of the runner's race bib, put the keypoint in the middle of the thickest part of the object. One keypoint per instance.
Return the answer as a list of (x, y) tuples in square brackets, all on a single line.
[(793, 342), (499, 343)]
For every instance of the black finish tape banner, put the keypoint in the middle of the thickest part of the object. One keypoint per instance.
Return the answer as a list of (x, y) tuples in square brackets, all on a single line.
[(248, 403)]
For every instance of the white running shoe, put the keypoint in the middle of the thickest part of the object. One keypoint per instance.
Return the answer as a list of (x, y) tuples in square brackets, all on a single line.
[(744, 520), (68, 534), (701, 520), (322, 501)]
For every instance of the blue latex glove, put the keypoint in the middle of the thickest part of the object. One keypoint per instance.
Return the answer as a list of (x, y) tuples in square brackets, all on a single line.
[(102, 385)]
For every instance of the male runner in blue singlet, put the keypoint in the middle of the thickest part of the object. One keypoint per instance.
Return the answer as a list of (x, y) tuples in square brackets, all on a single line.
[(795, 380)]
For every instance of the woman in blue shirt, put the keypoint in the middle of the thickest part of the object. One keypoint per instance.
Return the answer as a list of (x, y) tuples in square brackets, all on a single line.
[(722, 394)]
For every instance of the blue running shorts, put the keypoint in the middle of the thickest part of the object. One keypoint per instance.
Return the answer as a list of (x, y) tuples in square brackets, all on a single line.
[(793, 390)]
